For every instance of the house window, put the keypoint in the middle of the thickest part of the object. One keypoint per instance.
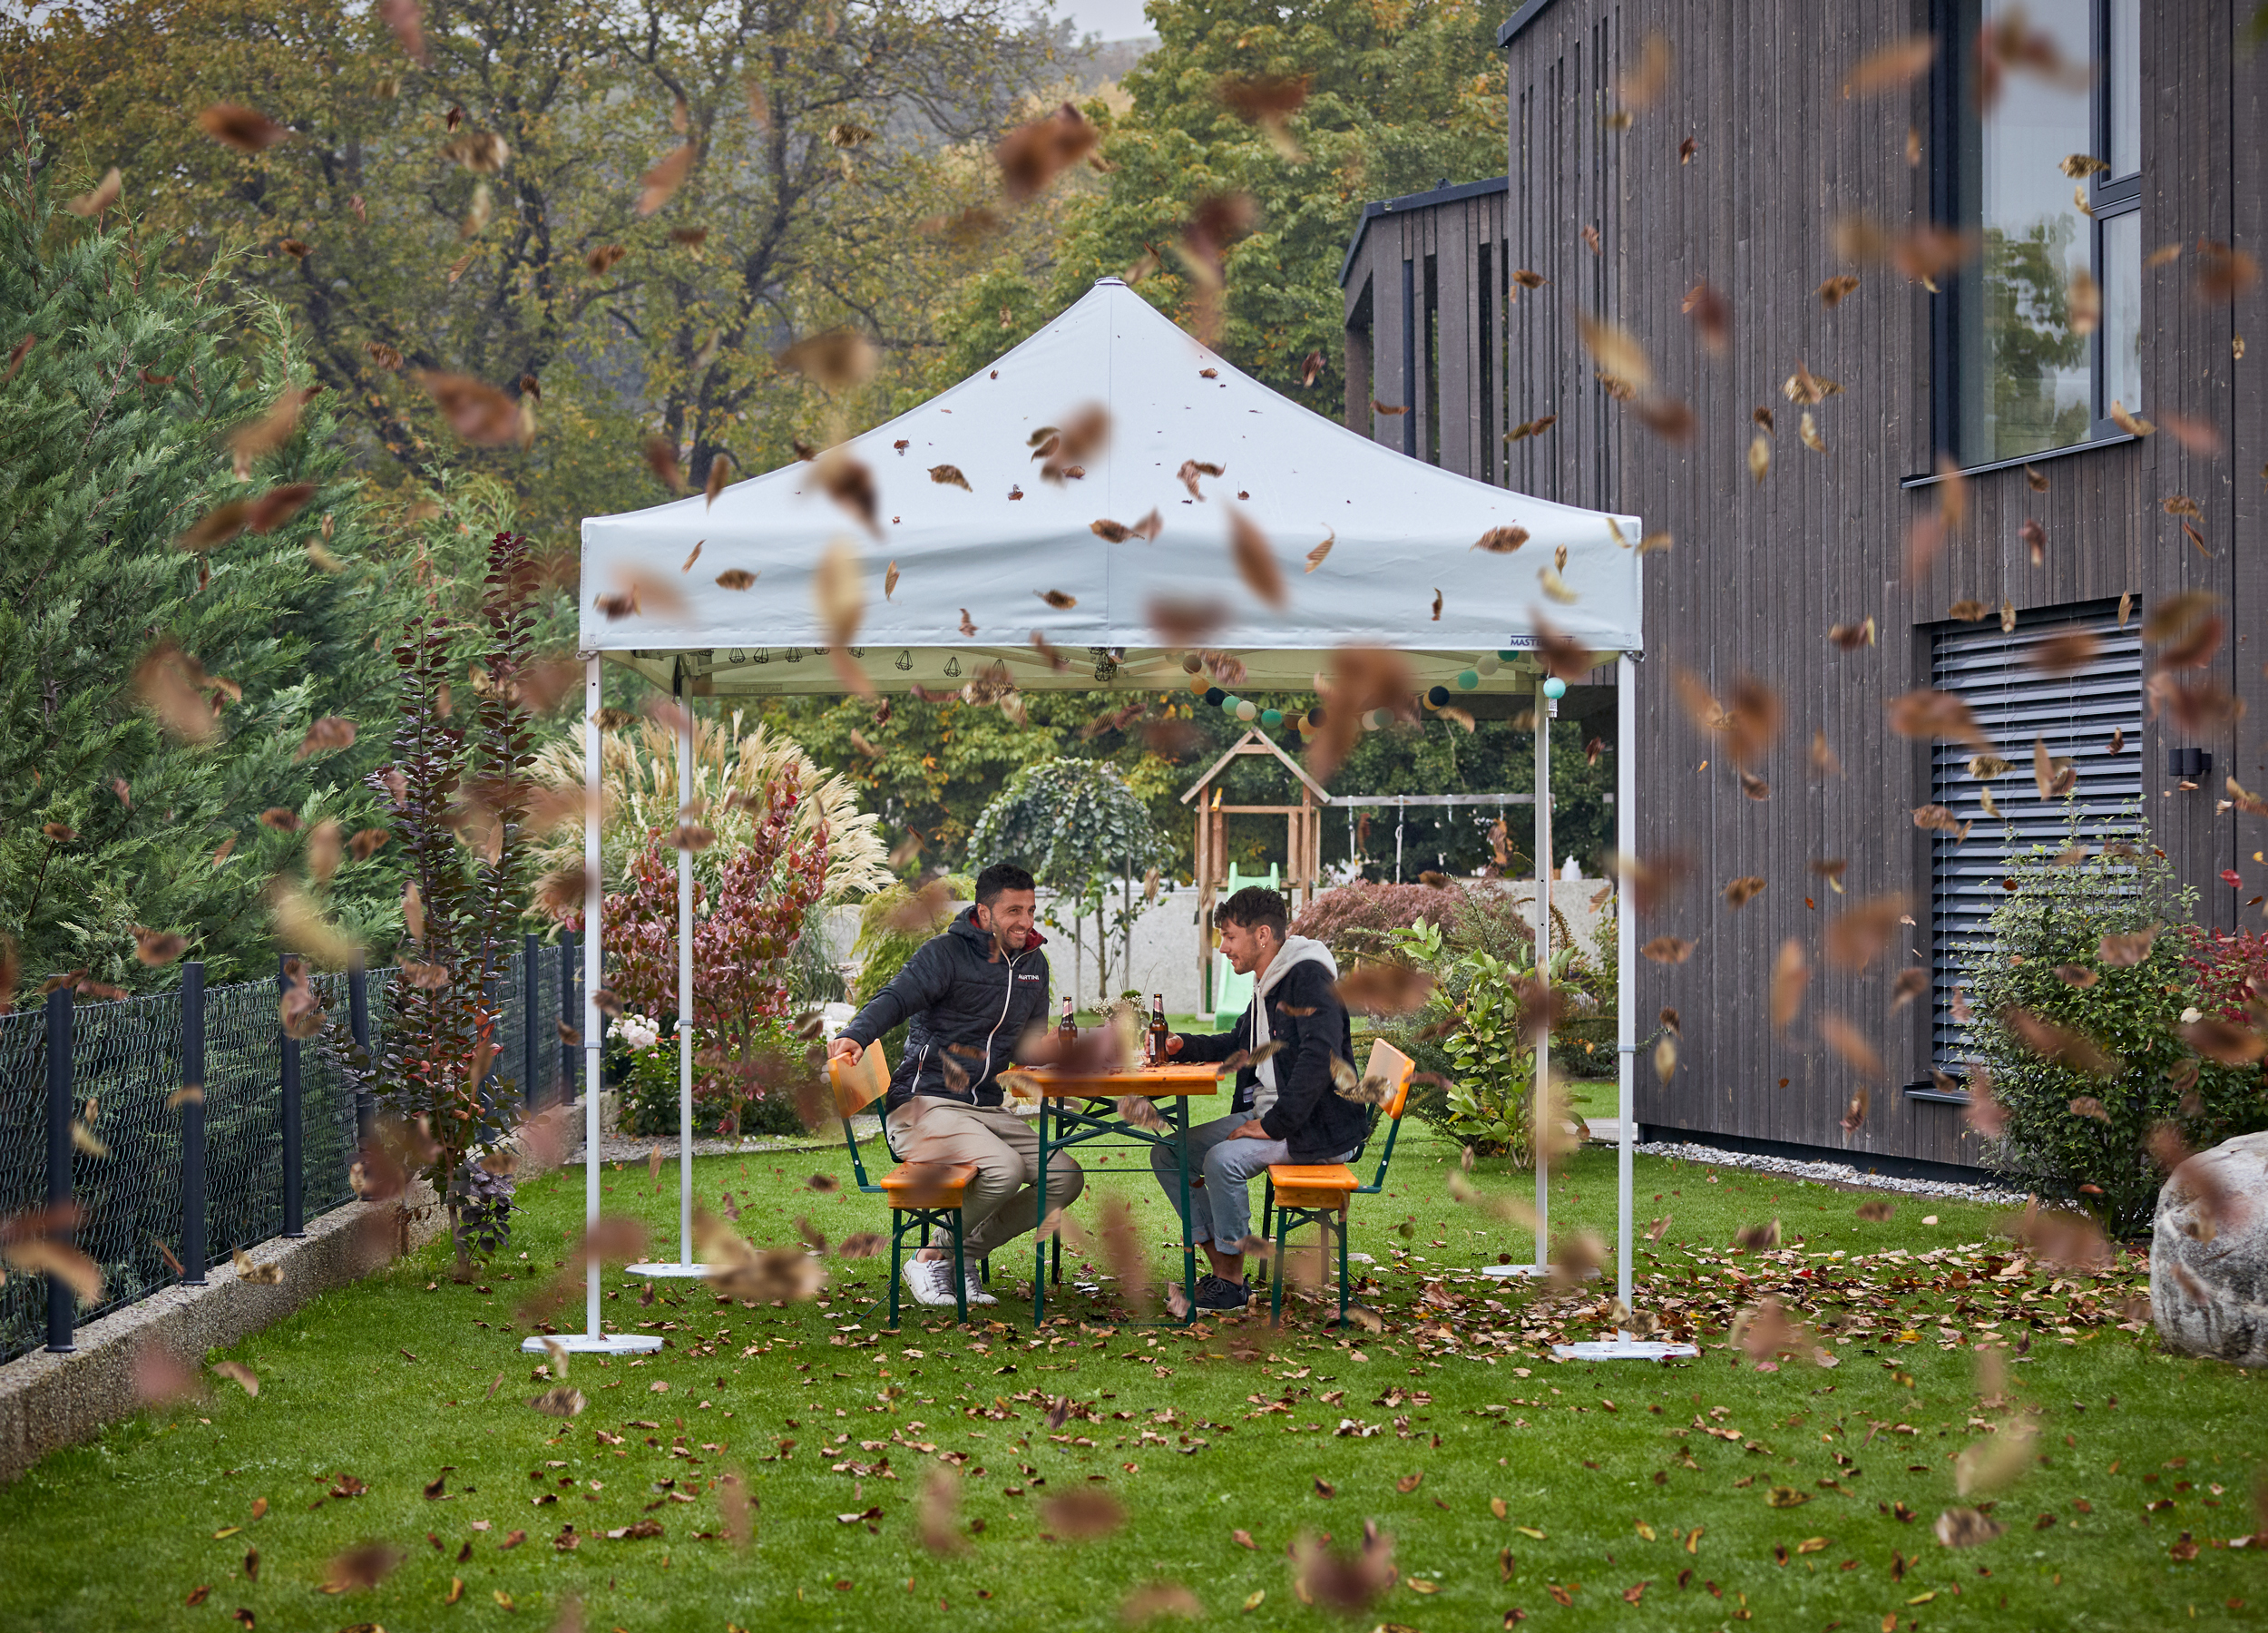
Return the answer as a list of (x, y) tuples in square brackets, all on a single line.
[(2028, 373), (2091, 716)]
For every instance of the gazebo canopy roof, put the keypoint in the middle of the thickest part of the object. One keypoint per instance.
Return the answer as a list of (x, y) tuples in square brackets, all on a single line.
[(1401, 571)]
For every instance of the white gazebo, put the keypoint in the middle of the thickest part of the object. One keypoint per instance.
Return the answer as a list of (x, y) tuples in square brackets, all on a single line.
[(980, 560)]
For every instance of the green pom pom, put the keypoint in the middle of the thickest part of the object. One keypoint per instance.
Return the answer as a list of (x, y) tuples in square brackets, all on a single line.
[(1271, 717)]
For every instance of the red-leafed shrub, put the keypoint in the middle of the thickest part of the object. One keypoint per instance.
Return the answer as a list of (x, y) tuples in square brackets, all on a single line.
[(2230, 970), (741, 940), (2113, 1034), (1358, 921)]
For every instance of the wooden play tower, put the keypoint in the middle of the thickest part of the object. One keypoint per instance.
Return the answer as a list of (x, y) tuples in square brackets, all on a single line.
[(1302, 855)]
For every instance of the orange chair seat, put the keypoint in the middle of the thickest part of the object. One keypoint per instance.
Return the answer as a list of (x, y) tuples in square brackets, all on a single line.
[(1313, 1184), (928, 1184)]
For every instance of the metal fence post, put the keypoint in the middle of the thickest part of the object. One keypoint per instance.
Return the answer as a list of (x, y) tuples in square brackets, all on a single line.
[(530, 984), (359, 1025), (62, 1305), (570, 1057), (193, 1247), (294, 1223)]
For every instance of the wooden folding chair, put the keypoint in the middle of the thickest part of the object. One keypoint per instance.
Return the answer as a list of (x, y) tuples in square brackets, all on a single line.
[(920, 1195), (1317, 1193)]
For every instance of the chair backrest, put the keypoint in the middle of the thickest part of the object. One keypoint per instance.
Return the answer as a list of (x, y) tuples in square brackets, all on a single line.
[(862, 1082), (857, 1085), (1388, 1063)]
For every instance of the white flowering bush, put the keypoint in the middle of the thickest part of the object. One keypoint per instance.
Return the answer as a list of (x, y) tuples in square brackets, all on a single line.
[(635, 1031)]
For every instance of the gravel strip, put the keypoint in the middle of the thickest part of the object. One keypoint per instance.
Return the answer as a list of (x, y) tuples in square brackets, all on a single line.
[(1832, 1173), (614, 1147)]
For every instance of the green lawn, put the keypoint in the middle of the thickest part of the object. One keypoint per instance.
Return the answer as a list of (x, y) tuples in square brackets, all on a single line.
[(1610, 1491)]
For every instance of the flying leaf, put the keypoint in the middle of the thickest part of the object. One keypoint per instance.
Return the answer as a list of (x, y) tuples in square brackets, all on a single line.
[(104, 195), (661, 459), (657, 185), (1256, 563), (1118, 532), (1790, 976), (265, 435), (246, 129), (836, 359), (1035, 154), (1615, 351), (1894, 67), (851, 485), (1711, 316), (838, 588), (477, 411)]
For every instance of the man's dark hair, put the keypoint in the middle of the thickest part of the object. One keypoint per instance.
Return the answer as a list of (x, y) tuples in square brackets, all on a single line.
[(1000, 877), (1255, 907)]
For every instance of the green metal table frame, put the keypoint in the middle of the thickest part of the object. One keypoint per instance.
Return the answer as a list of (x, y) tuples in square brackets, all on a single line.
[(1084, 1120)]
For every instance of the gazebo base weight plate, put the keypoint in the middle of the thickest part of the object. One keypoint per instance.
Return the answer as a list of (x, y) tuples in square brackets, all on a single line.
[(593, 1343), (1507, 1270), (1624, 1348), (671, 1268)]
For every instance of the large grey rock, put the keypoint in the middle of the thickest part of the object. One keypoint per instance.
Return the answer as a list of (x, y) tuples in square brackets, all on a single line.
[(2209, 1253)]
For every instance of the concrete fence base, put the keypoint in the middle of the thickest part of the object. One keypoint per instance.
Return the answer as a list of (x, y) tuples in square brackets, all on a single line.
[(47, 1402)]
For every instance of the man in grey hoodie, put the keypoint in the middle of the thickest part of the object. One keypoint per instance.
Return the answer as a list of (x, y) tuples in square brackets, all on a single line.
[(1286, 1107)]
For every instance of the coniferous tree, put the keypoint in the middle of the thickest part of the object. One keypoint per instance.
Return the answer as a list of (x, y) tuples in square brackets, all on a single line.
[(165, 661)]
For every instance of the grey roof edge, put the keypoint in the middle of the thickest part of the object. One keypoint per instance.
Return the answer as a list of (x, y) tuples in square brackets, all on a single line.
[(1408, 202), (1518, 20)]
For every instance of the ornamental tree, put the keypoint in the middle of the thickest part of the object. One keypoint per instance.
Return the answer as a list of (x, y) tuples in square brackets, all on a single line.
[(1081, 830), (743, 932)]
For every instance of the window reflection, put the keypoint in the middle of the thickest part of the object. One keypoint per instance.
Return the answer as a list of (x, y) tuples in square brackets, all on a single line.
[(2122, 311), (2124, 87), (2027, 379)]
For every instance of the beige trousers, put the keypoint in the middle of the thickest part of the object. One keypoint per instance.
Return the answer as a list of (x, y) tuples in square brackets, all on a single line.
[(1003, 1201)]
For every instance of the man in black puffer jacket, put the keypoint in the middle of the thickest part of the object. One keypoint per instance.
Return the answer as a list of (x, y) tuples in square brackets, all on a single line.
[(968, 997), (1287, 1107)]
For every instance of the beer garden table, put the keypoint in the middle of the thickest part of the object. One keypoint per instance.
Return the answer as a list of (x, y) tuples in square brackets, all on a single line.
[(1082, 1107)]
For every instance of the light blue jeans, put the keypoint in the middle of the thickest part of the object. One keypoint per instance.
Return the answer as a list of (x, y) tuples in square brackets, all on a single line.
[(1220, 1208)]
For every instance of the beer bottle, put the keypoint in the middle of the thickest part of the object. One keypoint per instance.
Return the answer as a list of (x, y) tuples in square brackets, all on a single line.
[(1067, 1029), (1158, 1034)]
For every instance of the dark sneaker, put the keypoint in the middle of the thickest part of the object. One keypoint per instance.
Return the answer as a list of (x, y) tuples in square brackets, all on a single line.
[(1216, 1294)]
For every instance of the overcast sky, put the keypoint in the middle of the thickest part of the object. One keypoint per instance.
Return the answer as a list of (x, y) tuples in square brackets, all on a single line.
[(1112, 19)]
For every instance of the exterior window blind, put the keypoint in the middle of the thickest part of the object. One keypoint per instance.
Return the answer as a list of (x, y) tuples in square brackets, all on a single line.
[(2079, 715)]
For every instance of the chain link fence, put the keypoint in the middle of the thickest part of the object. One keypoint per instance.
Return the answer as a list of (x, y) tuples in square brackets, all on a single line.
[(22, 1168), (129, 1156)]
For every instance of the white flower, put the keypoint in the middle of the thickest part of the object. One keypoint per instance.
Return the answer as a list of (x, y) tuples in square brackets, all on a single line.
[(636, 1030), (2191, 1016)]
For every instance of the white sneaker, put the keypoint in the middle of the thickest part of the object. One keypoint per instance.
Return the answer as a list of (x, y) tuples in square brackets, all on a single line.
[(928, 1281), (977, 1295)]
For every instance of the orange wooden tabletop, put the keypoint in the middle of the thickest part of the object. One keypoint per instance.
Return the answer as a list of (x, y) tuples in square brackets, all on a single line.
[(1159, 1082)]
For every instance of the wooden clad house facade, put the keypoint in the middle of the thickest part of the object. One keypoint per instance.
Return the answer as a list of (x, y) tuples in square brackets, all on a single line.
[(1736, 159)]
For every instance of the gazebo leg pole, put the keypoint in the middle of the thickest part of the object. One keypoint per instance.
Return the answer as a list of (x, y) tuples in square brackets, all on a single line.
[(1625, 1345), (1539, 1100), (683, 1266), (1537, 1095), (593, 1336), (1625, 1010)]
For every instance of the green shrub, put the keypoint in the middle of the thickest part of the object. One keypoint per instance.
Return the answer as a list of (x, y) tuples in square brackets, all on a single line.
[(649, 1091), (2088, 1054), (891, 929), (1467, 1035)]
